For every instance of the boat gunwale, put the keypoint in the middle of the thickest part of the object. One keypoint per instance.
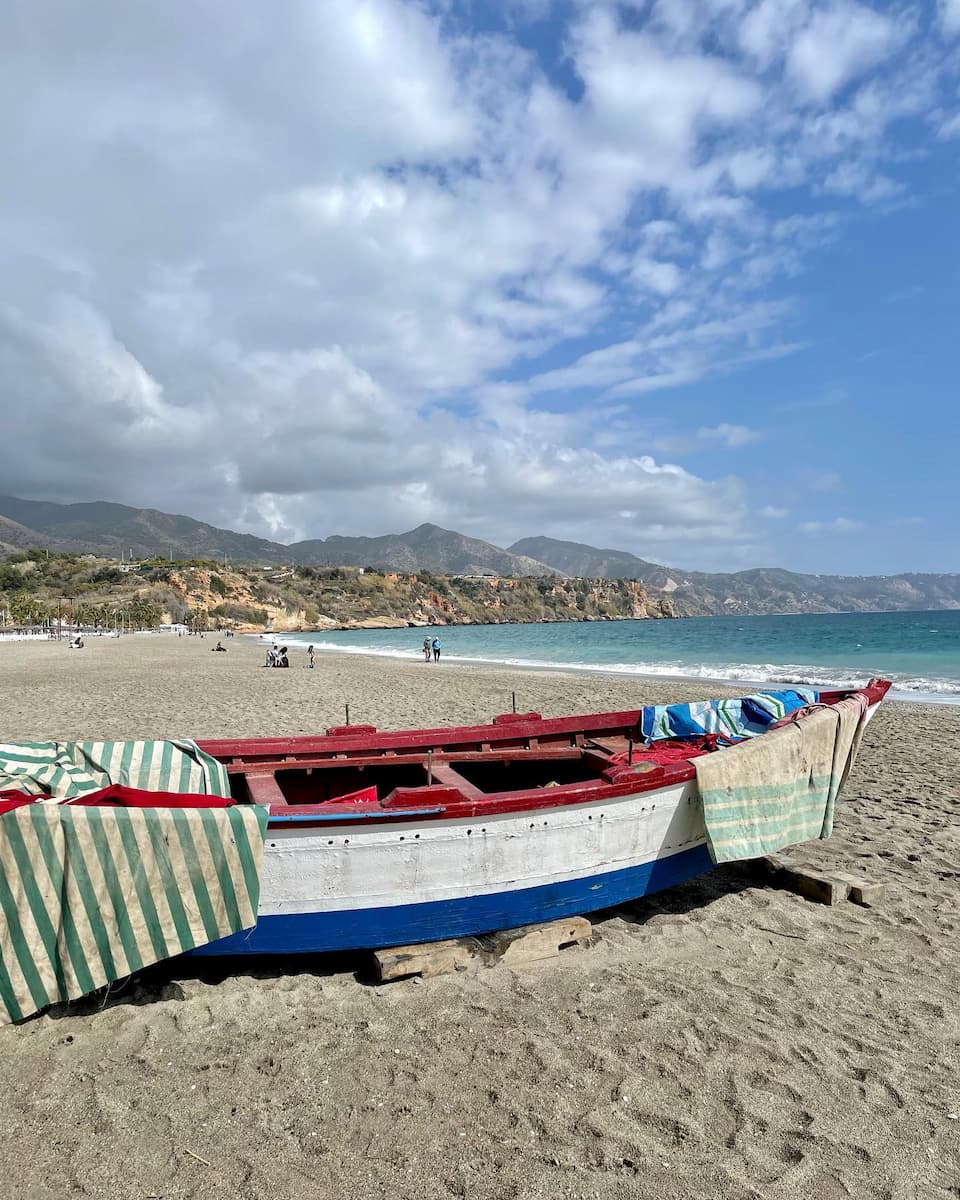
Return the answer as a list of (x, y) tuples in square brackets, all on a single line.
[(503, 728), (449, 803), (442, 737)]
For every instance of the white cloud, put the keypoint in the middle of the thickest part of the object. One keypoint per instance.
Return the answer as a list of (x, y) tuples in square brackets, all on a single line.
[(950, 16), (651, 103), (731, 436), (341, 268), (751, 167), (839, 44), (767, 28), (817, 480), (859, 180), (102, 380), (662, 278), (837, 525), (950, 128), (675, 350), (728, 437)]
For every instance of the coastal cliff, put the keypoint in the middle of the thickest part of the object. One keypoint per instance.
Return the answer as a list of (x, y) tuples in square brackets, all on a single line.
[(36, 586), (317, 598)]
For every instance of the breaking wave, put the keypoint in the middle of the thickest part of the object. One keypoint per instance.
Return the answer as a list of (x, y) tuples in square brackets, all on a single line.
[(906, 686)]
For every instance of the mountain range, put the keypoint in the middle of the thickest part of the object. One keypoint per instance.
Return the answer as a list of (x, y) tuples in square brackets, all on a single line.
[(118, 531)]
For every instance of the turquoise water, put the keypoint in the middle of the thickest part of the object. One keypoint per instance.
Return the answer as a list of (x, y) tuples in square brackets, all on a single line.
[(918, 651)]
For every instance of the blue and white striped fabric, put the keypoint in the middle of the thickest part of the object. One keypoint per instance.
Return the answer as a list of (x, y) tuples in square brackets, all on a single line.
[(743, 717)]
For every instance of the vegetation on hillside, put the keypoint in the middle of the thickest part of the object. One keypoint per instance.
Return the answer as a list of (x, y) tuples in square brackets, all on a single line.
[(37, 586)]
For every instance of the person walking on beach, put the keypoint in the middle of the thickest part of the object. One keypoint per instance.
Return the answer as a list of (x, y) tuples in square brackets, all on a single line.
[(310, 656), (426, 649), (436, 649)]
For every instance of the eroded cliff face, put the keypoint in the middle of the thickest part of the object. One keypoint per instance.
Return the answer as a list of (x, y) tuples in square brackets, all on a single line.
[(205, 591), (309, 598), (494, 600), (283, 599)]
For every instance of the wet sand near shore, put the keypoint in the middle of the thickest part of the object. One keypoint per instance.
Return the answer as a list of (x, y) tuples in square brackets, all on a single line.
[(723, 1039)]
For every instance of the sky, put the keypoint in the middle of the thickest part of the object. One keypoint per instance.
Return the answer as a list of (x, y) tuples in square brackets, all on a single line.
[(679, 278)]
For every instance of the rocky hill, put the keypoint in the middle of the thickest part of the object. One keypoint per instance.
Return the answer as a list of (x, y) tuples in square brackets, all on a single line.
[(14, 536), (428, 547), (757, 592), (578, 560), (35, 587), (118, 531)]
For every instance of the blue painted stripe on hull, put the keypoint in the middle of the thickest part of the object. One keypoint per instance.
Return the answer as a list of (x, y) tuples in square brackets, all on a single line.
[(374, 928)]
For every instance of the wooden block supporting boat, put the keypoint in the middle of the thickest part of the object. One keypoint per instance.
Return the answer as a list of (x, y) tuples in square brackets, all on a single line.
[(868, 894), (532, 943), (514, 947), (426, 960), (821, 886)]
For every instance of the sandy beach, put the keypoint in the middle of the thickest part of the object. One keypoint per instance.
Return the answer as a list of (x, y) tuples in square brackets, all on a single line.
[(724, 1039)]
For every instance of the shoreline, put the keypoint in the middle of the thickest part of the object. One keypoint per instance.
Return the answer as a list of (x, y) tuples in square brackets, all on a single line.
[(726, 683), (150, 685)]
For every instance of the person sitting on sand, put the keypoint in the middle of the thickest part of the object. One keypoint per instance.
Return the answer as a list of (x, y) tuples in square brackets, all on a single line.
[(218, 647), (282, 660), (271, 656)]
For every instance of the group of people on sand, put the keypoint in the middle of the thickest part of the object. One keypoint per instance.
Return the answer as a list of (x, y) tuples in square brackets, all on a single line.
[(431, 648), (277, 657)]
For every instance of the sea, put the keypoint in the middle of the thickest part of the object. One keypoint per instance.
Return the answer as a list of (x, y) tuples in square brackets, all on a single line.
[(918, 651)]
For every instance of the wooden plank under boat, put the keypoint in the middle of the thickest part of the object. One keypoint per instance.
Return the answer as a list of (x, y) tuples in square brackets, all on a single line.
[(378, 839)]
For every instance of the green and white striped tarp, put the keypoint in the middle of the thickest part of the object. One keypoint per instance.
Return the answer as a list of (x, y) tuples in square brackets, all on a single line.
[(67, 769), (89, 895), (779, 788)]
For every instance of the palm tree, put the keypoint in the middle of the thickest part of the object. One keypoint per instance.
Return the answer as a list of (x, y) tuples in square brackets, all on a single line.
[(25, 610)]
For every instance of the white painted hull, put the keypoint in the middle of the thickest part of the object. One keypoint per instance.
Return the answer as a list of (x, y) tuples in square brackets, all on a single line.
[(378, 885)]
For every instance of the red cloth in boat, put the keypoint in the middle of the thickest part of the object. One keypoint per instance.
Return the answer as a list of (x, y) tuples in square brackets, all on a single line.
[(11, 799), (671, 750), (128, 797), (124, 797)]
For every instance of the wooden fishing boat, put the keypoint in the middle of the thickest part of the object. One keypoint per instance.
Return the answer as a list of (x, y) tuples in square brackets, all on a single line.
[(379, 839)]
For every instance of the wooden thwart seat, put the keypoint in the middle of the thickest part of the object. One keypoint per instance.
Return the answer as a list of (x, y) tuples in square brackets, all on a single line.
[(445, 774)]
